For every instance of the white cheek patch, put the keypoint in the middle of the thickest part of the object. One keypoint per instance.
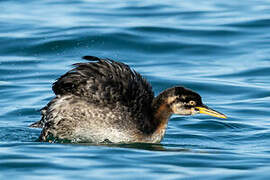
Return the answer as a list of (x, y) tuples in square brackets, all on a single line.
[(193, 111), (185, 112), (177, 109)]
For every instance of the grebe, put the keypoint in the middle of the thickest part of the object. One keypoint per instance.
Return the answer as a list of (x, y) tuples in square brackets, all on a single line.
[(107, 101)]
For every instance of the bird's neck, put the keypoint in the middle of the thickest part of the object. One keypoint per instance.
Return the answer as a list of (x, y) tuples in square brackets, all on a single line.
[(161, 115)]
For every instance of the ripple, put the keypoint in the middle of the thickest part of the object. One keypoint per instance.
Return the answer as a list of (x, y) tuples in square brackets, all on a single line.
[(211, 125), (255, 24)]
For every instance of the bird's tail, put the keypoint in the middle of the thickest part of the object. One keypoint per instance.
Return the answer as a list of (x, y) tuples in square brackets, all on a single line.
[(37, 124)]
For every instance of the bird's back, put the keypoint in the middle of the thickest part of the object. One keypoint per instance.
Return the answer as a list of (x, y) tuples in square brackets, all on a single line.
[(104, 82), (102, 96)]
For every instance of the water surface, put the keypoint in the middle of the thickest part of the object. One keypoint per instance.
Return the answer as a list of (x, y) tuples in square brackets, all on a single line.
[(217, 48)]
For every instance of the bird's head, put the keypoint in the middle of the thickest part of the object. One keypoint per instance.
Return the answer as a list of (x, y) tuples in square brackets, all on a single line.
[(184, 101)]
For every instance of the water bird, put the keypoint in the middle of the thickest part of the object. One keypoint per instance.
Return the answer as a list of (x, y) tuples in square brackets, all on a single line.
[(106, 101)]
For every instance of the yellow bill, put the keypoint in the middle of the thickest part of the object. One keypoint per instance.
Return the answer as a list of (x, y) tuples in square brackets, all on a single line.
[(211, 112)]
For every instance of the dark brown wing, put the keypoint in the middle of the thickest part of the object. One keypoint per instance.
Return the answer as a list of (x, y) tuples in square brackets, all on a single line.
[(104, 81)]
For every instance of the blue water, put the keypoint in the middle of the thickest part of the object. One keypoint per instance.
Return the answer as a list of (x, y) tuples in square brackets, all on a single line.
[(220, 49)]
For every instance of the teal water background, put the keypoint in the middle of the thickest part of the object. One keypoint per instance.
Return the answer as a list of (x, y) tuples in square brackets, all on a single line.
[(220, 49)]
